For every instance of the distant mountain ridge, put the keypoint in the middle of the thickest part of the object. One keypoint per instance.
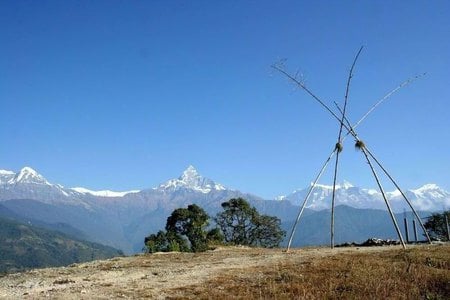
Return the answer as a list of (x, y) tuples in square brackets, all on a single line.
[(429, 197), (29, 184), (122, 219)]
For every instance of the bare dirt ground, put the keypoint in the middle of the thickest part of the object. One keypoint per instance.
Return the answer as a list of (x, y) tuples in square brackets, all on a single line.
[(156, 276)]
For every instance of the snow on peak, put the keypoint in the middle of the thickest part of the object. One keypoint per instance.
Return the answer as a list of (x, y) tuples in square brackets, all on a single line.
[(430, 190), (28, 175), (395, 193), (105, 193), (191, 179), (280, 198), (6, 175), (429, 197), (344, 185), (427, 187), (6, 172), (190, 176)]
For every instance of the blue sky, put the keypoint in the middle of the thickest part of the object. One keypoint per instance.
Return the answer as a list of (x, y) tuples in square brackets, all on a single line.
[(126, 94)]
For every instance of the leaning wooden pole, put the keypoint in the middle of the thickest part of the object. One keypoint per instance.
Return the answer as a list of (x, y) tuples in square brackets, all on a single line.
[(360, 145), (339, 146), (402, 193), (307, 90), (355, 135), (333, 197), (384, 196), (385, 97), (307, 198), (350, 130)]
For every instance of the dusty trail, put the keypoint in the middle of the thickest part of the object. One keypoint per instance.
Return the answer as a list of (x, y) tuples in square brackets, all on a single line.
[(151, 276)]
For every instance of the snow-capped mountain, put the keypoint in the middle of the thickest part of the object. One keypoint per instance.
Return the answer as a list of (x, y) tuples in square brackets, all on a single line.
[(118, 219), (29, 184), (25, 176), (28, 175), (6, 176), (104, 193), (429, 197), (192, 180)]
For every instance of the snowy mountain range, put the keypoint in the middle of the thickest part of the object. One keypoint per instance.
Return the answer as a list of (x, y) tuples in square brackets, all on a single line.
[(118, 219), (29, 184), (429, 197), (29, 178), (122, 219)]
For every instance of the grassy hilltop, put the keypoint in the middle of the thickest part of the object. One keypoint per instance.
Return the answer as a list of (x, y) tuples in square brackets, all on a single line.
[(420, 272)]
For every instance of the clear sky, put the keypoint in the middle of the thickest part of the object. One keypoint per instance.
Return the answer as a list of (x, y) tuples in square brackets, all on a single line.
[(126, 94)]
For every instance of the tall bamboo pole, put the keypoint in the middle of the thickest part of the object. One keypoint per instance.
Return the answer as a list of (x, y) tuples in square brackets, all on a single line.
[(375, 175), (339, 146), (333, 199), (384, 197), (306, 89), (367, 151), (311, 188), (389, 94), (363, 147), (402, 193), (350, 130)]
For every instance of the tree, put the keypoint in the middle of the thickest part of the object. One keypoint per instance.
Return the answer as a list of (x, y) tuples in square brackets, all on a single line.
[(215, 237), (165, 242), (437, 225), (268, 231), (190, 222), (185, 231), (241, 224)]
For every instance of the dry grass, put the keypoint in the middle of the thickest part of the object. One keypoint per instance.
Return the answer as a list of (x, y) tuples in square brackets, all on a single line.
[(421, 272), (417, 273)]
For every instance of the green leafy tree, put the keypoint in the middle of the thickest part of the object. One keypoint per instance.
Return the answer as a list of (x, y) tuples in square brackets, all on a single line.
[(190, 222), (241, 224), (237, 221), (268, 231), (214, 237), (165, 242), (436, 225), (185, 231), (156, 242)]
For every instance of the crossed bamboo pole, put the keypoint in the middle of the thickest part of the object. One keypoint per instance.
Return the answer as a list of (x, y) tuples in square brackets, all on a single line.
[(339, 145), (324, 166), (367, 153)]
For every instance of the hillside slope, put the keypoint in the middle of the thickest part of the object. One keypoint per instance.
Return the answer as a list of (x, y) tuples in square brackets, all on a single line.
[(24, 246)]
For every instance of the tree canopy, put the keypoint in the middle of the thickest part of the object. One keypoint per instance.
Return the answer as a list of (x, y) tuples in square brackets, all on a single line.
[(437, 225), (241, 224), (186, 230), (238, 224), (190, 222)]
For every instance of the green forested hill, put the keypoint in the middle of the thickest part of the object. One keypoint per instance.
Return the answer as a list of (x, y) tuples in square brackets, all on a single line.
[(24, 247)]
